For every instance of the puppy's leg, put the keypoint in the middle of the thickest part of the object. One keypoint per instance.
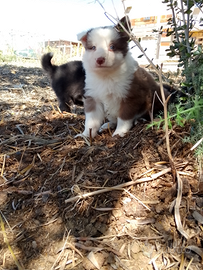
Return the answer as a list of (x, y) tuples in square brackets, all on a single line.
[(123, 126), (131, 108), (64, 107), (94, 116)]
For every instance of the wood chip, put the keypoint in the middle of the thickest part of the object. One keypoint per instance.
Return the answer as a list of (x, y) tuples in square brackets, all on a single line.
[(197, 217)]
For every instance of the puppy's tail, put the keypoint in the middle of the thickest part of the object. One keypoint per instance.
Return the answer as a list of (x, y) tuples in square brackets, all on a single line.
[(47, 65)]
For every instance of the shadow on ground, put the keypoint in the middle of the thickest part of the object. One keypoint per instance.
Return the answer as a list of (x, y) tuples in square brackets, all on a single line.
[(43, 166)]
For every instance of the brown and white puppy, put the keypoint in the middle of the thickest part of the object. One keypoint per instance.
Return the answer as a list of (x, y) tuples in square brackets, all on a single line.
[(67, 81), (116, 87)]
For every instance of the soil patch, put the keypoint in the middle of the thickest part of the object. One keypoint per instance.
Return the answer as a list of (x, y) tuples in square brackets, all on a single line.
[(56, 211)]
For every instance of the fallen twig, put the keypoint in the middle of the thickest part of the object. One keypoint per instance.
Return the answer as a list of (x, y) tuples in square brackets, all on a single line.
[(37, 140), (194, 146), (137, 199), (177, 207), (196, 250), (8, 245), (3, 166), (165, 101), (89, 248), (119, 235), (121, 186), (175, 174), (61, 251)]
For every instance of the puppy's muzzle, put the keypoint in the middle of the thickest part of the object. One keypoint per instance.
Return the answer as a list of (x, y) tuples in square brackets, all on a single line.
[(100, 61)]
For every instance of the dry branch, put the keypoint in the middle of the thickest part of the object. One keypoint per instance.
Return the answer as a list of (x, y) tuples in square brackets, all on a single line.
[(118, 187), (8, 245), (37, 140), (177, 208), (165, 101), (173, 169), (132, 37)]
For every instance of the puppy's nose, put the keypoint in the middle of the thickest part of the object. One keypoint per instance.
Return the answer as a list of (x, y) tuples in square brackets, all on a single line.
[(100, 60)]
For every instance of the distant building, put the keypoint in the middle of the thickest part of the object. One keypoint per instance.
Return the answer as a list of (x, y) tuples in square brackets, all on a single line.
[(198, 35), (71, 48), (154, 42), (22, 43)]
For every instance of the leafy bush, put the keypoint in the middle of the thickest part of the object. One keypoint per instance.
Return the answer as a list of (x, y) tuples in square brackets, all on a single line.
[(190, 60), (7, 57)]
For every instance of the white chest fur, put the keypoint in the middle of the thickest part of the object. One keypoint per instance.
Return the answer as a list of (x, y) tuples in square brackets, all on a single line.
[(109, 87)]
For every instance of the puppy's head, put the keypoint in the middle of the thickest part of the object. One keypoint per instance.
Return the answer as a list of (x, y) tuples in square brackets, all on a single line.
[(105, 48)]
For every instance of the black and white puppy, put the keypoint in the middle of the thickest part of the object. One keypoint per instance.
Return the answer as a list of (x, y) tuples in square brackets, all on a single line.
[(67, 81), (116, 87)]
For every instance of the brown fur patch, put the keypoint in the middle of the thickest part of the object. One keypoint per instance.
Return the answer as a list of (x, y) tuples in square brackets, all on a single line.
[(89, 104), (140, 96)]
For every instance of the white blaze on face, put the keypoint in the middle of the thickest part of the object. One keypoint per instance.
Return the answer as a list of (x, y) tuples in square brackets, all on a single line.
[(101, 53)]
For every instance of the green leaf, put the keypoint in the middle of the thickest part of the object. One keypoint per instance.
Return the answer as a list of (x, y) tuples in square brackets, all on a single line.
[(141, 55), (189, 11)]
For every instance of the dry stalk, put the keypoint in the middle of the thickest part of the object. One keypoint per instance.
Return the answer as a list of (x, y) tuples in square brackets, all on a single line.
[(105, 237), (62, 250), (177, 207), (8, 244), (3, 166), (189, 264), (118, 187), (63, 265), (26, 170), (74, 249), (131, 195), (2, 120), (37, 140), (195, 146), (175, 174), (90, 132), (153, 261), (165, 101)]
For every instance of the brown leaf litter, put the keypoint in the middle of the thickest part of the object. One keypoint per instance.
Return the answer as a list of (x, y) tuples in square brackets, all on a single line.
[(67, 203)]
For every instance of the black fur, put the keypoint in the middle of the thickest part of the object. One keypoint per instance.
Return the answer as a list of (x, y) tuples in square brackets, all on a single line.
[(67, 81)]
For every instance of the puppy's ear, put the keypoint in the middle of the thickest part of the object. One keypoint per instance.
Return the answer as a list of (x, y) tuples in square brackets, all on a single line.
[(125, 21), (83, 38)]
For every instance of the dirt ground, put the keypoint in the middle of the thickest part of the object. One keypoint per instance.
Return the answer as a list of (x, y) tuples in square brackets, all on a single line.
[(71, 203)]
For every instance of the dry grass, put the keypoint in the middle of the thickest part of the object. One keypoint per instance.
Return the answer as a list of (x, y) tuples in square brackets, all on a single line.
[(67, 204)]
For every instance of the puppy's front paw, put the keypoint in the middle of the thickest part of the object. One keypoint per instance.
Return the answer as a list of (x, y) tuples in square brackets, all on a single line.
[(91, 132), (120, 133), (123, 126)]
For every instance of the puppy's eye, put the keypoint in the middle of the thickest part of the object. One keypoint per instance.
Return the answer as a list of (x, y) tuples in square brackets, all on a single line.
[(91, 48), (111, 47)]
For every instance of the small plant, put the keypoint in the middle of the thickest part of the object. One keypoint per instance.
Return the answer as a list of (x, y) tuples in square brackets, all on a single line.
[(196, 139), (190, 61), (9, 57), (191, 111), (189, 54)]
